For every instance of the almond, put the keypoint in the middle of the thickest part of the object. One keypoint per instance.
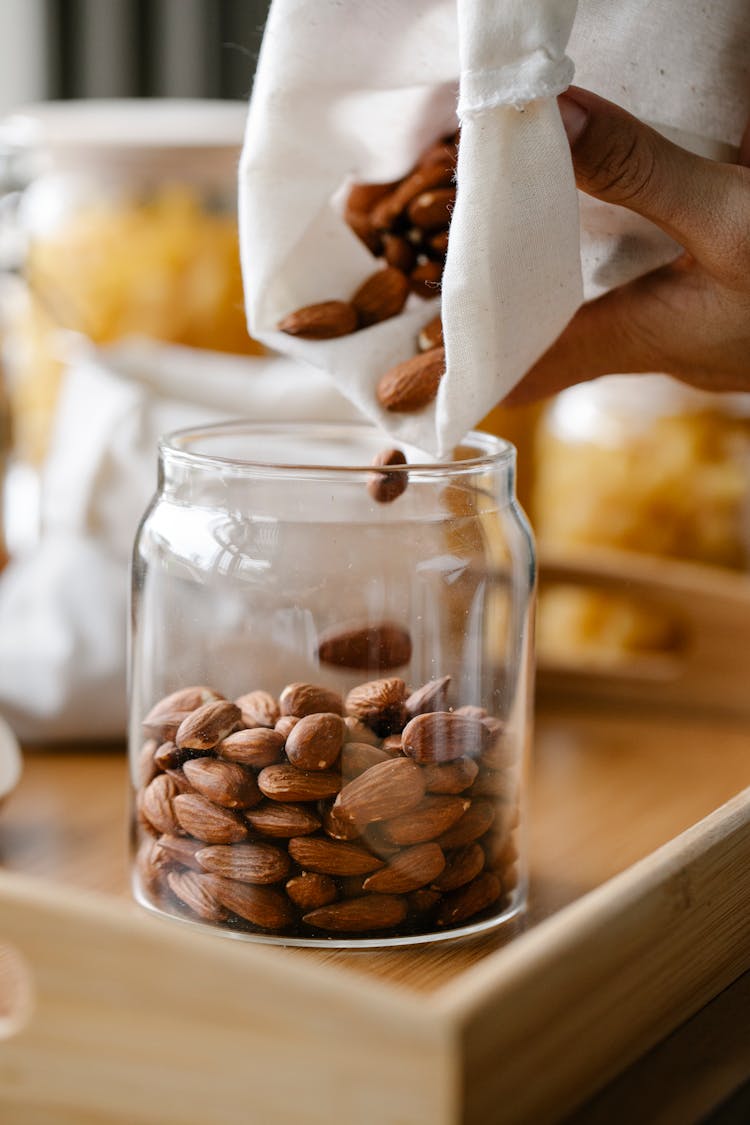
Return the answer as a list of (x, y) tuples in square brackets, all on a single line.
[(180, 849), (444, 153), (388, 209), (352, 886), (384, 791), (499, 846), (315, 742), (379, 704), (462, 865), (335, 826), (184, 699), (262, 906), (151, 865), (373, 648), (331, 857), (309, 699), (443, 736), (453, 777), (387, 487), (462, 904), (472, 711), (410, 869), (181, 782), (431, 336), (392, 745), (426, 280), (502, 752), (164, 727), (413, 384), (421, 902), (287, 783), (437, 244), (285, 724), (257, 747), (169, 757), (282, 821), (373, 837), (258, 709), (361, 223), (500, 784), (510, 878), (156, 804), (363, 197), (224, 783), (142, 820), (205, 727), (323, 321), (431, 210), (358, 915), (382, 296), (191, 889), (432, 696), (310, 889), (356, 757), (473, 824), (357, 731), (399, 253), (206, 821), (250, 863), (145, 766), (433, 816)]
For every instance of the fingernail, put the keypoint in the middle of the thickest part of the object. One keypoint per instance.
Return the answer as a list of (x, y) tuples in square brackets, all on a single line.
[(574, 118)]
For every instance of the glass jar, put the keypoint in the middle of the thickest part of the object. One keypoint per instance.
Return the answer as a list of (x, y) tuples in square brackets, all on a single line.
[(120, 220), (330, 687), (638, 463)]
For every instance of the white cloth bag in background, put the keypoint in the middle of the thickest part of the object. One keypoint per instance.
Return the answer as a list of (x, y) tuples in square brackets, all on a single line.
[(355, 92), (63, 606)]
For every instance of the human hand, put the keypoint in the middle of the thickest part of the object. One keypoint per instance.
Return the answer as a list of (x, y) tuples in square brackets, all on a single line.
[(689, 319)]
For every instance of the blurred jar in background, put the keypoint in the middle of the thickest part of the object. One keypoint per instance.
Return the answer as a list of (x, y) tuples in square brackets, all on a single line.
[(518, 425), (639, 463), (128, 227), (5, 437)]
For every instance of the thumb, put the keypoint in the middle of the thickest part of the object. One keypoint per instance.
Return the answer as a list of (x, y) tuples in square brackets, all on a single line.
[(620, 160)]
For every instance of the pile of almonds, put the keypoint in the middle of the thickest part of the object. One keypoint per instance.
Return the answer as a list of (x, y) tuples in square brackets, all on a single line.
[(315, 816), (406, 223)]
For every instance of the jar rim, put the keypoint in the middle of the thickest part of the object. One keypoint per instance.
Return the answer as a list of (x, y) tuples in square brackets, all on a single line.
[(126, 124), (490, 451)]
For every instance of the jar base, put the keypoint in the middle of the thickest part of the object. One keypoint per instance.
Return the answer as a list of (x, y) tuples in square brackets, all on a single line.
[(515, 909)]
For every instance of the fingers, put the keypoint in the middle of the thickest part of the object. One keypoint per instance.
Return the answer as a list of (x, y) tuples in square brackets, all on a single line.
[(619, 332), (620, 160), (688, 318), (743, 156)]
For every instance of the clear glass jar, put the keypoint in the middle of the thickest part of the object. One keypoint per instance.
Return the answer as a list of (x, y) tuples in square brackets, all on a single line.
[(120, 220), (330, 687), (638, 463)]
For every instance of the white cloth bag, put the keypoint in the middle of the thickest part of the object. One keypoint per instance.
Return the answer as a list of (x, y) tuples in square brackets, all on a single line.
[(63, 606), (354, 92)]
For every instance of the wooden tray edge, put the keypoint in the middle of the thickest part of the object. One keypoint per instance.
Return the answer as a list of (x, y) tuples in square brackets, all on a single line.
[(555, 1015)]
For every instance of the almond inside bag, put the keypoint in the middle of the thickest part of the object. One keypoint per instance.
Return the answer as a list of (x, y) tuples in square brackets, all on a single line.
[(378, 101)]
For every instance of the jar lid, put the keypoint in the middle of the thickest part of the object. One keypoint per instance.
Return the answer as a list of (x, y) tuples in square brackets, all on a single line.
[(128, 131), (615, 407)]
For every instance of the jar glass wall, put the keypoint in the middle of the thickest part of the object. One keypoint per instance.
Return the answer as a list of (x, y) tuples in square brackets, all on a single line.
[(330, 693)]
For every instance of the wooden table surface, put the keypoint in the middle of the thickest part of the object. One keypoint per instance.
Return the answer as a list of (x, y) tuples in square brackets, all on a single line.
[(607, 789)]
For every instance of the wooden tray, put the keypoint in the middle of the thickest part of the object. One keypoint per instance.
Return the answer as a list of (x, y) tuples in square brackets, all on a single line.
[(709, 608), (136, 1020)]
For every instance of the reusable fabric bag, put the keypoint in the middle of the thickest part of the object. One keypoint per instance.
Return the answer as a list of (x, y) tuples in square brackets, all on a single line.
[(355, 92)]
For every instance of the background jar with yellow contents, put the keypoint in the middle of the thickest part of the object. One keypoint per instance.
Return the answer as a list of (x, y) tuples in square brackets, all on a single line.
[(128, 227), (644, 464)]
